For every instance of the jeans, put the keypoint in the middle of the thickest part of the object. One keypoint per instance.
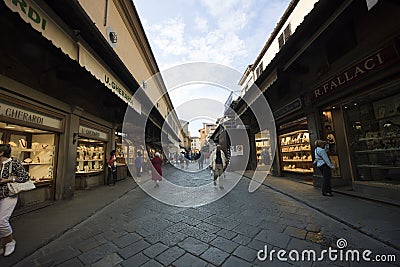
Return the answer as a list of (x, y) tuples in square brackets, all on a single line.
[(112, 175), (7, 206), (326, 173)]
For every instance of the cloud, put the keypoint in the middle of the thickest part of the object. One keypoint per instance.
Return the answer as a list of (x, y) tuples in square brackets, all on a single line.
[(170, 36), (201, 24)]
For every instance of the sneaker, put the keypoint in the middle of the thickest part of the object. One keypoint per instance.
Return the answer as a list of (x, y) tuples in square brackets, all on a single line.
[(10, 247), (221, 187), (215, 183)]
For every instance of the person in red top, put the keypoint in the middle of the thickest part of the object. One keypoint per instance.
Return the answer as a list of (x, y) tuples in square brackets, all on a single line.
[(112, 168), (156, 174)]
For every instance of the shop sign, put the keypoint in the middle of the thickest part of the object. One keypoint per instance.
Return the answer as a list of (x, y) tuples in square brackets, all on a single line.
[(16, 113), (376, 61), (93, 133), (31, 13), (288, 108), (94, 66), (237, 150)]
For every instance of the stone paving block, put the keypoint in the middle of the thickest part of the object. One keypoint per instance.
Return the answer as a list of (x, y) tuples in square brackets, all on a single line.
[(88, 244), (313, 228), (62, 255), (191, 221), (113, 235), (127, 239), (273, 238), (241, 239), (293, 222), (247, 230), (170, 255), (74, 262), (109, 260), (177, 227), (273, 226), (301, 245), (155, 250), (235, 261), (96, 254), (152, 263), (215, 256), (246, 253), (224, 244), (173, 239), (208, 227), (226, 234), (136, 260), (295, 232), (222, 222), (197, 214), (189, 260), (256, 244), (133, 249), (207, 237), (193, 245)]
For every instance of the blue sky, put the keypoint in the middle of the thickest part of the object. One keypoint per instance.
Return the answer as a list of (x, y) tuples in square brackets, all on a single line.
[(227, 32)]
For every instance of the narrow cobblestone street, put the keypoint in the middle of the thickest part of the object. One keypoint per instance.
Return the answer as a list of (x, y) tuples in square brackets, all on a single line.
[(137, 230)]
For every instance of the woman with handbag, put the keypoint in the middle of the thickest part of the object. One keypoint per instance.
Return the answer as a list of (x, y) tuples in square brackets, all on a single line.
[(324, 165), (11, 171)]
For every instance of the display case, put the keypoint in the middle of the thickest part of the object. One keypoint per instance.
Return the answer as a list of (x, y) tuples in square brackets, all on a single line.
[(296, 152), (36, 153), (90, 156), (376, 133)]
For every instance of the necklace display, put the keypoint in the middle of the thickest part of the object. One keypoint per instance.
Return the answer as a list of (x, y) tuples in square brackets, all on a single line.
[(22, 143)]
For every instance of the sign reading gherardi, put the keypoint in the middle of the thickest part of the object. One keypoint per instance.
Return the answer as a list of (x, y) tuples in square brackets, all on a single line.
[(23, 115)]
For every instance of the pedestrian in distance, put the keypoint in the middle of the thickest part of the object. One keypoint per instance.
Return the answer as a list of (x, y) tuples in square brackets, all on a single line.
[(201, 161), (156, 174), (138, 164), (11, 171), (112, 168), (218, 163), (324, 165)]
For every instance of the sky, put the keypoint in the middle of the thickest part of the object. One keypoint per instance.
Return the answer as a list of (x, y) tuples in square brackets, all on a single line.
[(227, 32)]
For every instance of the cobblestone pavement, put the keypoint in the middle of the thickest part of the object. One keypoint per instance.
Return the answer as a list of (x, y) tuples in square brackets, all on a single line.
[(137, 230)]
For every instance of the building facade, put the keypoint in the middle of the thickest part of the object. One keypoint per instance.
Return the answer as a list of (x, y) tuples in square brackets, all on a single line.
[(335, 78), (68, 74)]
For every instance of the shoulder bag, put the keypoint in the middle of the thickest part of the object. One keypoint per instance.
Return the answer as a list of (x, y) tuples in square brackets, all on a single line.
[(15, 187)]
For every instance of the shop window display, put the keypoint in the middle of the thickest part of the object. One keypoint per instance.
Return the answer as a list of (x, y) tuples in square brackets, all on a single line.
[(296, 152), (90, 156), (375, 134), (35, 149)]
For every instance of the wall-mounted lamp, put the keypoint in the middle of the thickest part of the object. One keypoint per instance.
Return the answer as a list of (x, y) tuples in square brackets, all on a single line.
[(74, 138)]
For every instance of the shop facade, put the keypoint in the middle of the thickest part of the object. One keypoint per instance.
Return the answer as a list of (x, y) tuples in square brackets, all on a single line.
[(337, 80)]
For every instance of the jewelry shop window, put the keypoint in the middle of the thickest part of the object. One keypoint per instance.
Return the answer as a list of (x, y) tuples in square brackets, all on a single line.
[(34, 148), (90, 156), (374, 133)]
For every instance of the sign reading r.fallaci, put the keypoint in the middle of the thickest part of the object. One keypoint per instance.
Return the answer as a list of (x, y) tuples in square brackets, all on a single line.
[(361, 69)]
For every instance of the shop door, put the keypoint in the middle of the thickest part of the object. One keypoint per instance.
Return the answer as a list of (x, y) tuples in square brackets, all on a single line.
[(333, 131)]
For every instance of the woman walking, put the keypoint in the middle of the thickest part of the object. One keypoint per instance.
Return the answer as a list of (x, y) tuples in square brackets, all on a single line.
[(156, 174), (324, 165), (11, 171), (112, 168)]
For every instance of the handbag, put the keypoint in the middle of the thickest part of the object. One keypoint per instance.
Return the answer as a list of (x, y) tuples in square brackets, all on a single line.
[(15, 188)]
